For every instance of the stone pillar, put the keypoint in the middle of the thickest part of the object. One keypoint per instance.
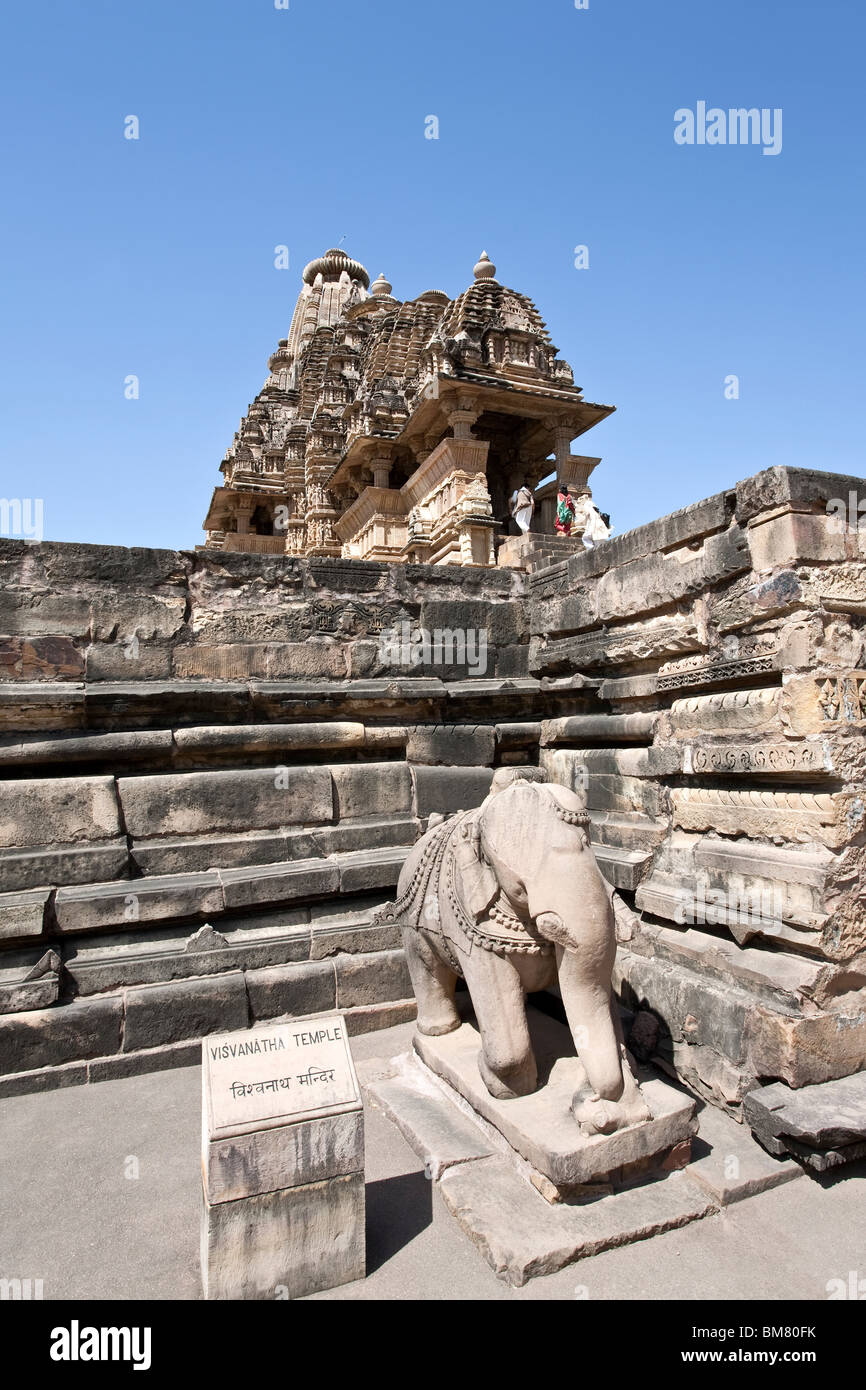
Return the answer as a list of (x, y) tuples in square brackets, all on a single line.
[(423, 452), (243, 511), (462, 419), (282, 1161), (562, 437), (381, 472)]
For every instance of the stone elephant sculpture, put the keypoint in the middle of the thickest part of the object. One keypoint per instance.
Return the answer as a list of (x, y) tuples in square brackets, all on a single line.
[(510, 897)]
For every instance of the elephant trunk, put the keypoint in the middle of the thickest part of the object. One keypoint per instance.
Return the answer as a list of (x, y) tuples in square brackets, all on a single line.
[(590, 1016)]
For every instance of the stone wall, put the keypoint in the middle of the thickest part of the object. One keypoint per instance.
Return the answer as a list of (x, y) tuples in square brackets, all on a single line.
[(213, 767), (728, 771)]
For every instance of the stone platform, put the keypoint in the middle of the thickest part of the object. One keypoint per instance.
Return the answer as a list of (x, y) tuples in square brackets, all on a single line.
[(493, 1173), (541, 1127), (213, 770), (507, 1208), (788, 1242)]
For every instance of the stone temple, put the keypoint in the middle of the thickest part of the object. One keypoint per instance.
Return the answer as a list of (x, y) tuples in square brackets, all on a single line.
[(216, 761), (399, 431)]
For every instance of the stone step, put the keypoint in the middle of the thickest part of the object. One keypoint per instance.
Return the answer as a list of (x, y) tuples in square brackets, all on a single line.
[(824, 1126), (96, 907), (624, 868), (141, 1027)]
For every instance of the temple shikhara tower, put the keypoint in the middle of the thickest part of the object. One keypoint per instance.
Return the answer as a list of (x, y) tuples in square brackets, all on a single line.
[(392, 430)]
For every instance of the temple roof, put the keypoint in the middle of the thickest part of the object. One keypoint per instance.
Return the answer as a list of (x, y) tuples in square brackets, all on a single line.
[(358, 362)]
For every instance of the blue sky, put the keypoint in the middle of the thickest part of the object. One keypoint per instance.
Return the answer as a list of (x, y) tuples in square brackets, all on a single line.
[(261, 127)]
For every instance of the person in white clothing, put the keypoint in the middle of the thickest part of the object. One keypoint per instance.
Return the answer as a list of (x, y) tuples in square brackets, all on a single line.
[(522, 507)]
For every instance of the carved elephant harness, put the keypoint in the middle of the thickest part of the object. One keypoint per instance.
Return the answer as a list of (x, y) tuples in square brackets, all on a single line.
[(451, 853)]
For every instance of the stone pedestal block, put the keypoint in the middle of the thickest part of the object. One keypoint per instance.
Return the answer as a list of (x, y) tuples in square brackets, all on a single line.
[(541, 1127), (284, 1244), (282, 1161)]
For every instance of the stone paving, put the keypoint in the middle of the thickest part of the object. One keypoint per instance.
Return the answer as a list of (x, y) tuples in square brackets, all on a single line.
[(101, 1192)]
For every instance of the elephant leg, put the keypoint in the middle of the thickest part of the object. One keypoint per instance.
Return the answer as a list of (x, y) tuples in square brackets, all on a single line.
[(506, 1060), (433, 982), (614, 1100)]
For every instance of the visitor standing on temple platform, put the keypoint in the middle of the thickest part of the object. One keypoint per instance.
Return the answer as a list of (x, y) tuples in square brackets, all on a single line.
[(564, 510), (522, 507), (596, 527)]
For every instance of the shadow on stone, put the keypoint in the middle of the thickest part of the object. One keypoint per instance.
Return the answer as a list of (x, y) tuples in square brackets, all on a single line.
[(398, 1209)]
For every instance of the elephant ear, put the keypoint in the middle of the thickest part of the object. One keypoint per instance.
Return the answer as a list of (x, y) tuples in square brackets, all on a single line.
[(480, 886)]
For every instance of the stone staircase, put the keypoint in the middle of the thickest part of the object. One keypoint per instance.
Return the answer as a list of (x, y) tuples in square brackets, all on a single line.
[(534, 552)]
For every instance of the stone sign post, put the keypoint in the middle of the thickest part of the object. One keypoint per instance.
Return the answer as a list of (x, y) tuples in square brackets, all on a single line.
[(282, 1161)]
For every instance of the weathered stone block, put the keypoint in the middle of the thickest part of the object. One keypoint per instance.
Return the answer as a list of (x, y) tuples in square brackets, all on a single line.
[(729, 1164), (439, 1133), (804, 1051), (22, 914), (224, 663), (371, 789), (574, 613), (58, 810), (287, 1243), (747, 602), (656, 581), (119, 617), (195, 803), (307, 987), (512, 661), (668, 532), (157, 1014), (251, 738), (734, 710), (828, 1119), (502, 623), (117, 661), (447, 745), (276, 883), (289, 1156), (522, 1236), (198, 854), (370, 1018), (40, 659), (374, 978), (774, 487), (68, 1033), (23, 612), (449, 789), (308, 660), (34, 707), (88, 907), (368, 869), (828, 817), (652, 639), (789, 537), (581, 729), (68, 565)]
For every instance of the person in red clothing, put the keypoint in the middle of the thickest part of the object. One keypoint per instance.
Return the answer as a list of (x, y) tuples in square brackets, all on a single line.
[(564, 510)]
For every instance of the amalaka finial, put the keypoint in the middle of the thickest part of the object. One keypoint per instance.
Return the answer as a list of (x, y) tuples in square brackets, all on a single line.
[(380, 288)]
